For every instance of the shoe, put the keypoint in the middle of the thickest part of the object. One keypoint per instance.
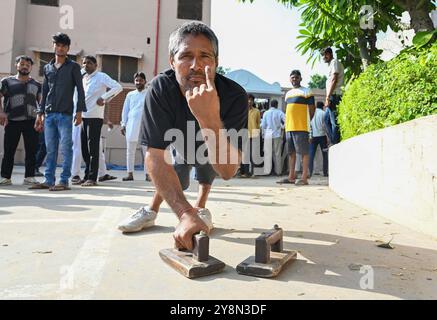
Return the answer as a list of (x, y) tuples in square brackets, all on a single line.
[(206, 217), (5, 182), (31, 181), (148, 179), (128, 178), (142, 219), (38, 173)]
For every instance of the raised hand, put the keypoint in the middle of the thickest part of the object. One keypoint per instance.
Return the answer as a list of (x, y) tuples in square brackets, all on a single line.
[(203, 101)]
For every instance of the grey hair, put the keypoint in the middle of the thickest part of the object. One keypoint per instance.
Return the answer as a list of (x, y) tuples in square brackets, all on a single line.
[(193, 28)]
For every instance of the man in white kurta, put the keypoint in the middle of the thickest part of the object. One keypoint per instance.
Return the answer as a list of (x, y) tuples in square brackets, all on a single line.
[(132, 115), (87, 142)]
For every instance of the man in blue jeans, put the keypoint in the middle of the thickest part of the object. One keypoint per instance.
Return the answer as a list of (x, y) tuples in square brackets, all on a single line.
[(55, 115)]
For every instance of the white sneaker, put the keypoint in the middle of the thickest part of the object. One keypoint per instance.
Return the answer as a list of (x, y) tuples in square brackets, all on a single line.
[(206, 217), (5, 182), (31, 181), (142, 219)]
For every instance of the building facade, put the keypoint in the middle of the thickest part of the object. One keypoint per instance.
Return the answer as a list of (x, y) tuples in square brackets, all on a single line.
[(125, 36)]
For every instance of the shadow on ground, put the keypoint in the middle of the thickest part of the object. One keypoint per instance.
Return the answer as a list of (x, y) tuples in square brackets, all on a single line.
[(328, 263)]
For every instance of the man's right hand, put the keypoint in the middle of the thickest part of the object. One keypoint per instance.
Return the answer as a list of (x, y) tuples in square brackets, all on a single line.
[(189, 225), (123, 131), (39, 123), (3, 119)]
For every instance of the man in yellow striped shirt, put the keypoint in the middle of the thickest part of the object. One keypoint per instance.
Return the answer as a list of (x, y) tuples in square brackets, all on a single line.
[(299, 112)]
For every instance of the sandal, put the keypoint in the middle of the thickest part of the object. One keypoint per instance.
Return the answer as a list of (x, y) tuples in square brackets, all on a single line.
[(286, 181), (107, 177), (40, 186), (89, 183), (302, 183), (60, 187), (77, 180)]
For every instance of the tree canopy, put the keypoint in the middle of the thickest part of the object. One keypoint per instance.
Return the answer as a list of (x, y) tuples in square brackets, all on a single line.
[(351, 26)]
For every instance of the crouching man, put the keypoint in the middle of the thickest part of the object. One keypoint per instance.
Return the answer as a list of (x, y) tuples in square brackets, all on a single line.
[(189, 95)]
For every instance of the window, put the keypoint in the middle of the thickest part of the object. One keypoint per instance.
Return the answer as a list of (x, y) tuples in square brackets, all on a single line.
[(51, 3), (190, 9), (119, 68), (45, 57)]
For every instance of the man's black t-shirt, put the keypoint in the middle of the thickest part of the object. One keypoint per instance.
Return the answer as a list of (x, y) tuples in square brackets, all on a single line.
[(166, 108)]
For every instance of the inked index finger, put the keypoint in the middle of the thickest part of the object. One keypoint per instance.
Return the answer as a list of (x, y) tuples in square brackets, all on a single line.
[(209, 78)]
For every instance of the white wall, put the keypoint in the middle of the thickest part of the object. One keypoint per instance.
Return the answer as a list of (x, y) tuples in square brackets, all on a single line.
[(7, 23), (392, 172)]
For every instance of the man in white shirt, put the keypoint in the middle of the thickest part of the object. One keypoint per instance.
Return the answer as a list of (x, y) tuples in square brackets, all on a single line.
[(272, 125), (333, 94), (131, 117), (95, 84)]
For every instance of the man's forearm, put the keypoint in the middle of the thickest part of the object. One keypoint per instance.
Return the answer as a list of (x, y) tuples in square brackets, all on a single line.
[(167, 183), (224, 157), (332, 87)]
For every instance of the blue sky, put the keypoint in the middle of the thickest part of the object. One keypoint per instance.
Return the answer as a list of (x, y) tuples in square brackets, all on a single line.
[(261, 38)]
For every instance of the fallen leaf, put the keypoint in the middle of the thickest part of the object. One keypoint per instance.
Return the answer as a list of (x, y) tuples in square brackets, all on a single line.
[(43, 252), (301, 294), (322, 212), (386, 246), (355, 266)]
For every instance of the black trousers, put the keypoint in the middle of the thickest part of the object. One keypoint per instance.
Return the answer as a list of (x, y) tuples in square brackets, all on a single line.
[(13, 132), (41, 151), (90, 141)]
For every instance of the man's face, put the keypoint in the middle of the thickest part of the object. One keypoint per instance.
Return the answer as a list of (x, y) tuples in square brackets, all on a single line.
[(61, 50), (250, 102), (24, 67), (295, 80), (327, 57), (194, 55), (89, 66), (140, 83)]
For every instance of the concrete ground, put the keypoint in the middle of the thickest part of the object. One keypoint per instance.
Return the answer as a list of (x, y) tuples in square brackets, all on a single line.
[(67, 246)]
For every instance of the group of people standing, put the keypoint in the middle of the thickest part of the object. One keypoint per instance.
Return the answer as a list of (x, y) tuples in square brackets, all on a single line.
[(66, 113), (298, 131)]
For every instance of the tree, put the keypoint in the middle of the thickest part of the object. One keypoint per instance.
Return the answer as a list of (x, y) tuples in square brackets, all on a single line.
[(221, 70), (317, 82), (344, 24), (419, 13)]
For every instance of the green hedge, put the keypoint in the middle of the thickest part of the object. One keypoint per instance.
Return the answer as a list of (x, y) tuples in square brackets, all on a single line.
[(389, 93)]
